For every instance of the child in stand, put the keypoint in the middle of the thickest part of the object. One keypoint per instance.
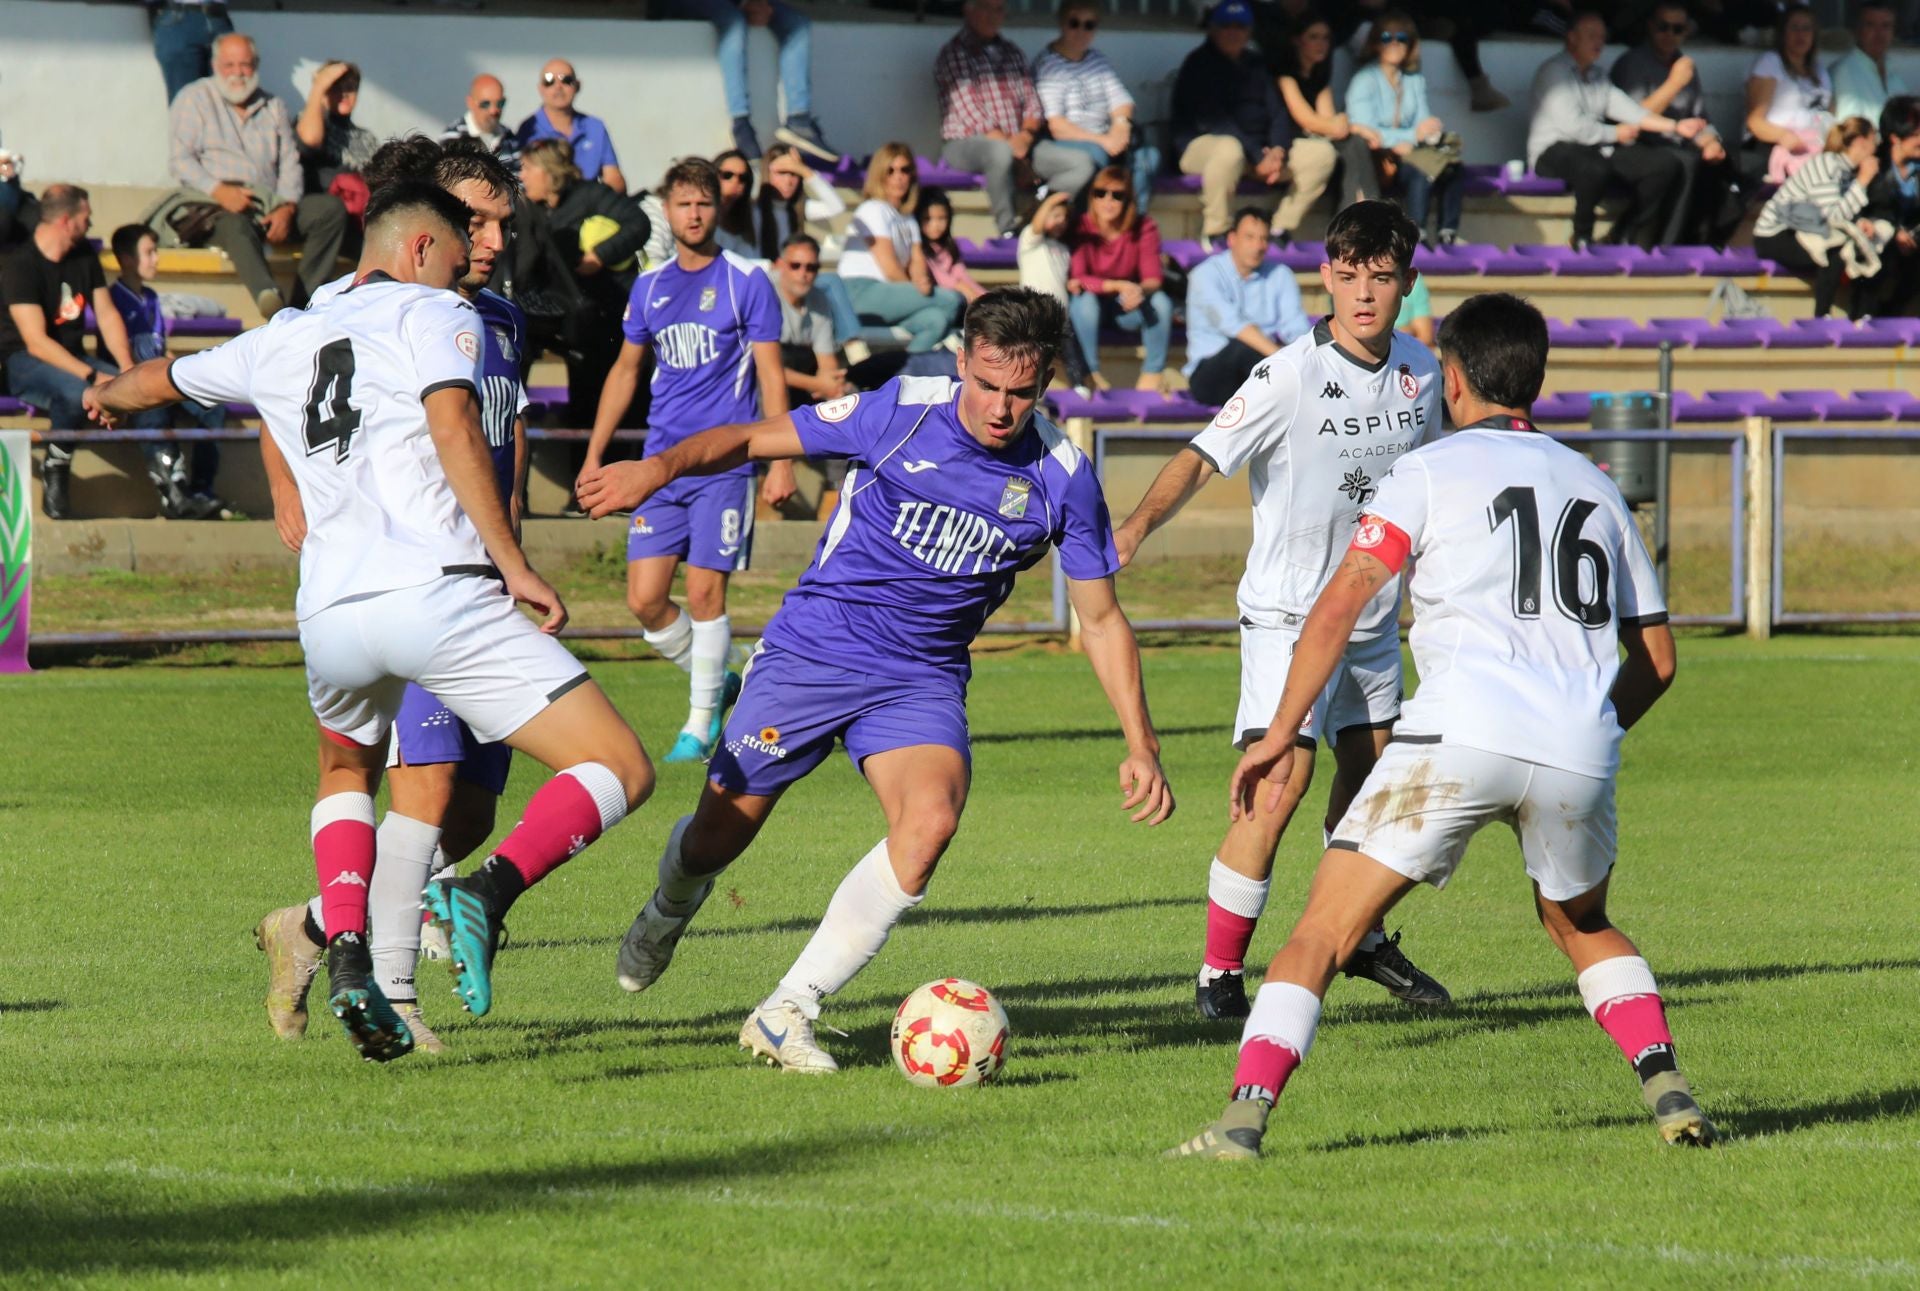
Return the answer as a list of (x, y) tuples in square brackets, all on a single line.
[(182, 474), (935, 214), (1045, 265)]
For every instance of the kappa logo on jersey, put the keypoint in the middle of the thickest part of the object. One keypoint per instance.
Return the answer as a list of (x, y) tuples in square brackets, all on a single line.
[(1358, 486), (838, 409), (468, 344), (1231, 415), (947, 538), (347, 877), (709, 297), (1013, 498), (1408, 385), (1333, 391), (688, 345), (1264, 372)]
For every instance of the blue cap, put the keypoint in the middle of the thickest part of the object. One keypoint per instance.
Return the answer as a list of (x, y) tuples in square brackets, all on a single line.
[(1231, 13)]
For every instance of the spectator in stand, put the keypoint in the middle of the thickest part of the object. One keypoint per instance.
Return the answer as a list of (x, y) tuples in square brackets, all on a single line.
[(807, 348), (580, 249), (736, 204), (793, 32), (1046, 265), (332, 148), (593, 154), (183, 36), (1305, 78), (1862, 80), (934, 212), (791, 197), (884, 266), (1789, 102), (1241, 307), (1585, 130), (1387, 103), (182, 474), (233, 145), (486, 104), (1807, 225), (1229, 123), (990, 118), (1462, 26), (1893, 197), (48, 282), (19, 211), (1086, 106), (1117, 267), (1665, 82)]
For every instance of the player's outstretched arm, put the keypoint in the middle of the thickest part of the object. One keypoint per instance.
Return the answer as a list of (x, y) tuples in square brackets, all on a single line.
[(622, 486), (143, 386), (1323, 639), (772, 371), (1173, 488), (453, 419), (1646, 672), (1115, 655)]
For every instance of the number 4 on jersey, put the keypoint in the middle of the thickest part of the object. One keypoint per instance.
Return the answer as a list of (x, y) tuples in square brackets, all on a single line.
[(329, 418), (1570, 552)]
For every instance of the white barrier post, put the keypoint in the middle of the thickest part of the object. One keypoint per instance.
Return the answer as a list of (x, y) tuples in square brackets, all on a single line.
[(1759, 488), (1080, 431), (16, 547)]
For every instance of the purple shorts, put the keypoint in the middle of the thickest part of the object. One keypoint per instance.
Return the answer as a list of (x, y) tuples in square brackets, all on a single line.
[(426, 732), (704, 520), (791, 710)]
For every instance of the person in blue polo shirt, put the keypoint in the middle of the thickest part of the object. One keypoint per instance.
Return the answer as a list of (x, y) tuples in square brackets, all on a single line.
[(1241, 307), (592, 146)]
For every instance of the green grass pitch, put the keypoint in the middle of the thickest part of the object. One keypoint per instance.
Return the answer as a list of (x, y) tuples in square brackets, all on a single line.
[(152, 1130)]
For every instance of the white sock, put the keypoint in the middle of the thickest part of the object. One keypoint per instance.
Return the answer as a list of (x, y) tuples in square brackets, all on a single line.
[(675, 640), (442, 866), (402, 860), (711, 641), (863, 911), (1285, 1012), (677, 887)]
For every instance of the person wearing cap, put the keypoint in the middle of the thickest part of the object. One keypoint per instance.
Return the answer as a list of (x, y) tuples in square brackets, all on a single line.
[(1229, 123), (557, 118)]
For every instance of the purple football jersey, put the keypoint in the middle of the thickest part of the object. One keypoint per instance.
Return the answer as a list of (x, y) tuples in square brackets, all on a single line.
[(502, 396), (931, 529), (702, 327)]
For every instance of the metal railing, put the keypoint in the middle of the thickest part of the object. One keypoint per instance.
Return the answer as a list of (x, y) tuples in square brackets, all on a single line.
[(1783, 617)]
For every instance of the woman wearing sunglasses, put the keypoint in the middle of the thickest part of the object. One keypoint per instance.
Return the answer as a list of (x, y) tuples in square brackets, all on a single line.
[(1117, 267), (1086, 106), (884, 265), (1387, 104)]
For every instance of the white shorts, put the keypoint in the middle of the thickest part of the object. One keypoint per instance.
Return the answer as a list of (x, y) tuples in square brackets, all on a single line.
[(460, 637), (1364, 690), (1424, 802)]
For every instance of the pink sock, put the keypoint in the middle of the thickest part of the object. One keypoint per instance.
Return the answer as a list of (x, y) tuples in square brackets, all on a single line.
[(343, 848), (1228, 936), (1621, 995), (568, 813), (1265, 1064)]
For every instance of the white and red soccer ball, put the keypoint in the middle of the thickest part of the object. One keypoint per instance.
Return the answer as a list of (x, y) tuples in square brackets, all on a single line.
[(950, 1033)]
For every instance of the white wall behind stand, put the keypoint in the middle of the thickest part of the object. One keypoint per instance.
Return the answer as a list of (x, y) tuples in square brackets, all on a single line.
[(81, 96)]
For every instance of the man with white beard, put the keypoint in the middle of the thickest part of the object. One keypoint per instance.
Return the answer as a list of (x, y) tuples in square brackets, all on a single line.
[(234, 146)]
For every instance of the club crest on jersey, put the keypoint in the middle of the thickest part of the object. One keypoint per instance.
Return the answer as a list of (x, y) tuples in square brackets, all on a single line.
[(1013, 498), (1408, 385), (709, 297), (1231, 415), (838, 409), (504, 343), (468, 344)]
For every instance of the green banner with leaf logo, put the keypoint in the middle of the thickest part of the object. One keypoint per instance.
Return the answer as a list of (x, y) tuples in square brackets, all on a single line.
[(16, 547)]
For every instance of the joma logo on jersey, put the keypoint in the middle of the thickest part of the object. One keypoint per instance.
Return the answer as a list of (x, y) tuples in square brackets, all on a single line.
[(1375, 423), (947, 538), (688, 345)]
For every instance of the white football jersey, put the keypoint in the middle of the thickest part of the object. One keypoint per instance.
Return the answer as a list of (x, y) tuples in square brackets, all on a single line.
[(340, 386), (1526, 566), (1317, 428)]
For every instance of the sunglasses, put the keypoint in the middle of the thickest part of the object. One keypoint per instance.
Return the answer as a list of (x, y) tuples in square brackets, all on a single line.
[(900, 168), (735, 175), (488, 105), (803, 266), (548, 78), (1117, 194), (1671, 28), (1083, 24), (1396, 38)]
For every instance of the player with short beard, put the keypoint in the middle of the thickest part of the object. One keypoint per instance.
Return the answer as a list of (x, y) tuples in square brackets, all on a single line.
[(952, 488), (443, 785), (1316, 426), (1529, 581)]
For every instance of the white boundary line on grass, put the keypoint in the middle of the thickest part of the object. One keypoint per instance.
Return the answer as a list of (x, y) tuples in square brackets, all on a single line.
[(1867, 1269)]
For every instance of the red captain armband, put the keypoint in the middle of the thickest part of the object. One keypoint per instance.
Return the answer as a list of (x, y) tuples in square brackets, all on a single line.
[(1384, 540)]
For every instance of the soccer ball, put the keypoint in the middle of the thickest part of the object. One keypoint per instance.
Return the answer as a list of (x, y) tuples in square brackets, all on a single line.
[(950, 1032)]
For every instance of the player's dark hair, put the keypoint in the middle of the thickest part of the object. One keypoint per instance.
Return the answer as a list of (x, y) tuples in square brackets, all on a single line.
[(1017, 323), (1366, 233), (467, 160), (126, 243), (806, 240), (1499, 343), (696, 173), (58, 201), (1246, 213), (409, 156), (407, 197)]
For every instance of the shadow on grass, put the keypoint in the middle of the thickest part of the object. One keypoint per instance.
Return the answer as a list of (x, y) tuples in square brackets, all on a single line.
[(1868, 1105), (30, 1006), (1681, 978), (117, 1226)]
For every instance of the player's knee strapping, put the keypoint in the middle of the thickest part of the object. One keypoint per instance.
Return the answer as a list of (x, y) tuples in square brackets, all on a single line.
[(674, 641), (343, 852)]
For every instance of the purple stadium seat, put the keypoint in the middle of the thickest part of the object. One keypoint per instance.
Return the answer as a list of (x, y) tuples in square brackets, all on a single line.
[(937, 174), (1796, 336), (204, 327), (1734, 262), (1689, 409), (1854, 411), (547, 394), (1101, 406), (1563, 408), (1528, 185), (1302, 257), (242, 411), (990, 253), (1903, 406), (1680, 331), (1669, 262), (1600, 262), (1517, 265), (1812, 407), (1455, 261), (1184, 252), (1738, 334), (1182, 410), (1896, 331), (12, 407), (1574, 336)]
